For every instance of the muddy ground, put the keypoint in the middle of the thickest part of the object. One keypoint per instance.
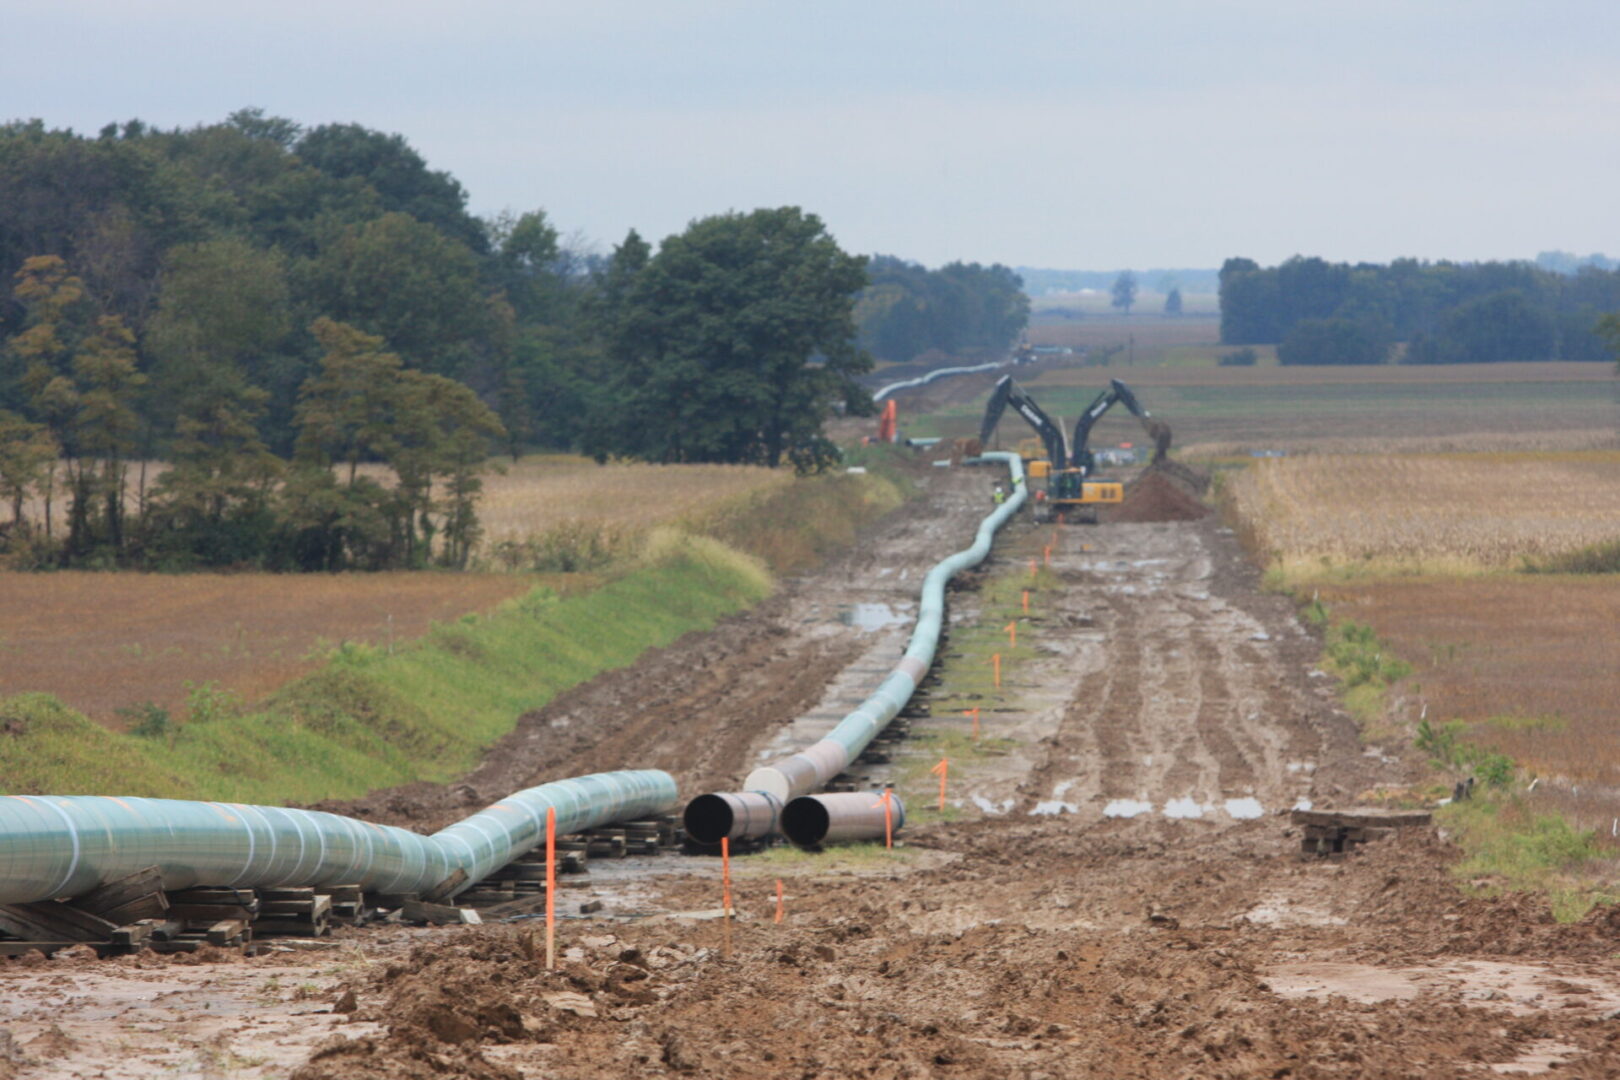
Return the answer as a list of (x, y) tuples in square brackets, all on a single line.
[(1114, 892)]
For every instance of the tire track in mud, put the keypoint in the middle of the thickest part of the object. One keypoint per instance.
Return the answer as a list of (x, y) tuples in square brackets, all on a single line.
[(1188, 709)]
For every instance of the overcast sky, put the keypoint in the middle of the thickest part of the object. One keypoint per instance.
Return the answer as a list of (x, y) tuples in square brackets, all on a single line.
[(1057, 134)]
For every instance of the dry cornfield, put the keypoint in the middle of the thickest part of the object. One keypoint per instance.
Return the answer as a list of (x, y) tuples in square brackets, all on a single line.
[(541, 494), (1458, 512), (546, 494)]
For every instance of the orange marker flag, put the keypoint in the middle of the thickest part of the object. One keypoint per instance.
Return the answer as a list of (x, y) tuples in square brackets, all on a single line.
[(973, 712), (725, 875), (551, 887), (1046, 555), (995, 661), (1026, 601), (1012, 634), (887, 802), (1032, 568), (778, 899), (942, 770)]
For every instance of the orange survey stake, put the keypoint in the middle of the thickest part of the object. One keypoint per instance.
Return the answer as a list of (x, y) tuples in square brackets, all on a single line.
[(1012, 634), (725, 875), (887, 802), (973, 712), (942, 770), (995, 662)]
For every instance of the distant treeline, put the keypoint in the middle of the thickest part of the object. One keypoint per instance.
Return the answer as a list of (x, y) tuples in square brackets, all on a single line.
[(908, 310), (266, 309), (1318, 312)]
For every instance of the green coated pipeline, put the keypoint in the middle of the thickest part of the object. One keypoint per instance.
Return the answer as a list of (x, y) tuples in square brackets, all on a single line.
[(755, 811), (65, 845)]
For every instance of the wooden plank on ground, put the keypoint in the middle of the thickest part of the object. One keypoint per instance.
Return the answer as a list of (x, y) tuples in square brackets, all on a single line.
[(85, 926), (121, 891), (150, 906), (438, 914), (446, 888), (48, 920), (1362, 818)]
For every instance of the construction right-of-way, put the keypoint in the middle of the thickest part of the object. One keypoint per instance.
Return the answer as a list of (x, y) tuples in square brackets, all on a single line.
[(781, 797)]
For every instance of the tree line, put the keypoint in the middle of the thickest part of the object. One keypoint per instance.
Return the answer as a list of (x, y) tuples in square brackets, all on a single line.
[(1317, 312), (960, 308), (322, 345)]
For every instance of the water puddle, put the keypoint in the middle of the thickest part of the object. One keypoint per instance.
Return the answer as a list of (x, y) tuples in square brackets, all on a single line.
[(1127, 808), (870, 617), (1053, 808), (1185, 808), (1244, 809)]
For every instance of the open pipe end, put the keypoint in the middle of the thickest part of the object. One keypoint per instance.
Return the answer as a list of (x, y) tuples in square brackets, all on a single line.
[(708, 819), (740, 815), (805, 821), (841, 817)]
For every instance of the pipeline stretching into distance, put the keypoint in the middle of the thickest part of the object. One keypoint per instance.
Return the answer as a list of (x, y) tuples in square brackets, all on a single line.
[(937, 373), (66, 845), (777, 797)]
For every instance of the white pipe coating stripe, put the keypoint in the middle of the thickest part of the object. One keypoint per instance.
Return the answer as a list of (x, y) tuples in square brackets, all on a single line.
[(73, 866), (269, 829)]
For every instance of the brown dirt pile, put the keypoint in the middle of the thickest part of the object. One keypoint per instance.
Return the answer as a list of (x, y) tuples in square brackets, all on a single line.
[(1156, 496)]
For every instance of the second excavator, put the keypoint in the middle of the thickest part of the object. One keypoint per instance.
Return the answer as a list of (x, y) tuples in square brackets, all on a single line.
[(1071, 492)]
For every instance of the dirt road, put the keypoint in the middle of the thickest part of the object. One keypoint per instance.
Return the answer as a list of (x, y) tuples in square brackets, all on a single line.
[(1117, 891)]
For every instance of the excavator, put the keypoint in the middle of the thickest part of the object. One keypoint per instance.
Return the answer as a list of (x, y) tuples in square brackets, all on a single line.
[(1070, 492)]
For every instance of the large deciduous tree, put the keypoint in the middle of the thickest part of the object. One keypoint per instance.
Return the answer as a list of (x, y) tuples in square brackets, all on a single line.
[(738, 340), (1124, 291)]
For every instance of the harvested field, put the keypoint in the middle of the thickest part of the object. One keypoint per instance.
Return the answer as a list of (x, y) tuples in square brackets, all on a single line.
[(1529, 665), (1457, 512), (103, 642)]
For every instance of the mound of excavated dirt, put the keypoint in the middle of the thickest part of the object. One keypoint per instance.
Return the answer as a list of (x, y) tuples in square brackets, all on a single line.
[(1155, 496)]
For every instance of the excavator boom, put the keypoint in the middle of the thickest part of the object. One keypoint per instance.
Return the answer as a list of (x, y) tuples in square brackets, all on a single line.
[(1007, 393), (1116, 394)]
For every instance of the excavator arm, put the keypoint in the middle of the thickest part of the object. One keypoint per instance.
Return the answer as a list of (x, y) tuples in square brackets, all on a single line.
[(1007, 393), (1116, 394)]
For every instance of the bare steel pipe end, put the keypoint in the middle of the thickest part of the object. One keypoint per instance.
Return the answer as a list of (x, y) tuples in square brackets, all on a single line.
[(737, 815), (841, 817)]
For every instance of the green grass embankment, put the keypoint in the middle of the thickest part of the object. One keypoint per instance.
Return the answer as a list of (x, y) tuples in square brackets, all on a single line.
[(371, 717)]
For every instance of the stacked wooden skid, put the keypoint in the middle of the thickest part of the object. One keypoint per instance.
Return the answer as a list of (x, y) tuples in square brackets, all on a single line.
[(1327, 834), (135, 912)]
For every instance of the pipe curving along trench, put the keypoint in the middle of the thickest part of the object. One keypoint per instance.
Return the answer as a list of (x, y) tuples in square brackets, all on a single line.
[(937, 373), (65, 845), (762, 808)]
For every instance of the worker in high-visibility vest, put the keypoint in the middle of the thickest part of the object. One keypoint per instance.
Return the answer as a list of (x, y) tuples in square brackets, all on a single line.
[(998, 495)]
